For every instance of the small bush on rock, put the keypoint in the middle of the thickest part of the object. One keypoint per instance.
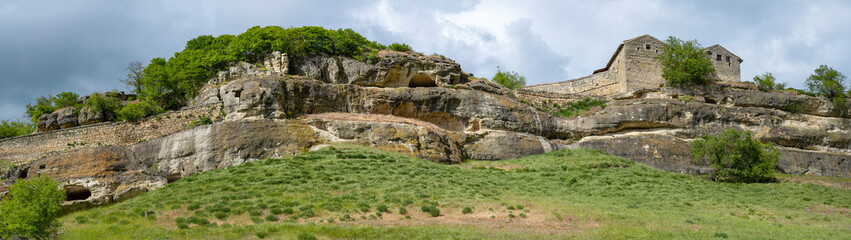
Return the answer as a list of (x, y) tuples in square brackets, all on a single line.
[(509, 79), (400, 47), (736, 156)]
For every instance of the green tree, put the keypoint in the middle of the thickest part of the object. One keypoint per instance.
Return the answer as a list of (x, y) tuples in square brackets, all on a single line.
[(400, 47), (830, 83), (684, 62), (767, 82), (108, 106), (736, 156), (827, 81), (135, 74), (135, 111), (30, 209), (15, 128), (43, 105), (509, 79), (65, 99)]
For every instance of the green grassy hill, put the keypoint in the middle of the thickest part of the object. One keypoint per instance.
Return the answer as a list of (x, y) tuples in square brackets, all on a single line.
[(347, 191)]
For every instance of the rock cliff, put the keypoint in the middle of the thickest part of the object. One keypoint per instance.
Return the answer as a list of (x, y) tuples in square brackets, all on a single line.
[(426, 106)]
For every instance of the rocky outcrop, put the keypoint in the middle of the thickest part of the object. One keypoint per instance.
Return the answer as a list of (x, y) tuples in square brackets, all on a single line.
[(664, 151), (89, 116), (393, 69), (104, 174), (47, 122)]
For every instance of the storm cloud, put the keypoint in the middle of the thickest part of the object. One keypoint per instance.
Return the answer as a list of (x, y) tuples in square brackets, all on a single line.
[(83, 46)]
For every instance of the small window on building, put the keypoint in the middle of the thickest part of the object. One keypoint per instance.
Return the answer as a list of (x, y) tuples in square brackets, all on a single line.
[(729, 64), (638, 49), (657, 50), (647, 46), (718, 57), (728, 58)]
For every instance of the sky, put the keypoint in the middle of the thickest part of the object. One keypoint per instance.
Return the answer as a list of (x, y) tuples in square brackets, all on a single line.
[(84, 46)]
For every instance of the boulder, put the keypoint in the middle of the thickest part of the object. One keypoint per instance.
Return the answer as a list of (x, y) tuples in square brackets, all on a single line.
[(393, 69), (497, 145), (88, 116), (261, 97), (48, 122), (66, 117)]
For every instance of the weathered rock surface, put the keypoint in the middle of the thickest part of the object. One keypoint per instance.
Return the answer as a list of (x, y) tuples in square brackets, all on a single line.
[(88, 116), (393, 69), (66, 118), (47, 122), (663, 151), (497, 145), (104, 174)]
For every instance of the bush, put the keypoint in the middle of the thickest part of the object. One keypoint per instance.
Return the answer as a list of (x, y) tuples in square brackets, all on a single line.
[(15, 128), (767, 82), (403, 211), (736, 156), (684, 62), (382, 208), (272, 218), (108, 106), (400, 47), (135, 111), (306, 236), (467, 210), (829, 83), (30, 209), (65, 99), (509, 79)]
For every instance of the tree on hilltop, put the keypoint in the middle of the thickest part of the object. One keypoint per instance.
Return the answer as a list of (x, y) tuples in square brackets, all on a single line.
[(509, 79), (684, 62), (767, 82)]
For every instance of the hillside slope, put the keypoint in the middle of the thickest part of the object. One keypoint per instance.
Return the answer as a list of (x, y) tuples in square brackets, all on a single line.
[(348, 191)]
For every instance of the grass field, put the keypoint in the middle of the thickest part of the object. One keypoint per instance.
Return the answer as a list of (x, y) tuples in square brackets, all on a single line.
[(346, 191)]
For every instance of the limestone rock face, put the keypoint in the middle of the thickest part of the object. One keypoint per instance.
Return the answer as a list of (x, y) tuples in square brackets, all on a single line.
[(497, 145), (260, 97), (394, 69), (48, 122), (66, 118), (88, 116)]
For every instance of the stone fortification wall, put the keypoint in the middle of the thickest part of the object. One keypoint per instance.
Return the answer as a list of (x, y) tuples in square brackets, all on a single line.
[(599, 84), (643, 70), (20, 150)]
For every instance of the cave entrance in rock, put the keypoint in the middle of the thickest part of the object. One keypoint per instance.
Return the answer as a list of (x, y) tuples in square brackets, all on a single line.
[(172, 177), (421, 80), (76, 192)]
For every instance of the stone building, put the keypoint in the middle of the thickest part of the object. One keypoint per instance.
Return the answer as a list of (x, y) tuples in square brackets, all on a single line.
[(634, 66)]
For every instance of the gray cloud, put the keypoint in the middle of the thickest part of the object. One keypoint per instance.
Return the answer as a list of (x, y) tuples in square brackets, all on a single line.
[(83, 46)]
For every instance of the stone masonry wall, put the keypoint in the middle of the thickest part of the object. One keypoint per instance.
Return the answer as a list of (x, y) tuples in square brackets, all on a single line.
[(643, 70), (600, 84), (20, 150)]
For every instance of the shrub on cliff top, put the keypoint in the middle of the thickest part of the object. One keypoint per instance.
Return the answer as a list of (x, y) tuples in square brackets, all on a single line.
[(830, 83), (767, 82), (45, 105), (684, 62), (31, 210), (509, 79), (736, 156)]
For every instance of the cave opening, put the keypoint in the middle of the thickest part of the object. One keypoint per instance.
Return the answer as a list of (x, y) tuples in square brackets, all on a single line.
[(421, 81), (173, 177), (76, 192), (23, 173)]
